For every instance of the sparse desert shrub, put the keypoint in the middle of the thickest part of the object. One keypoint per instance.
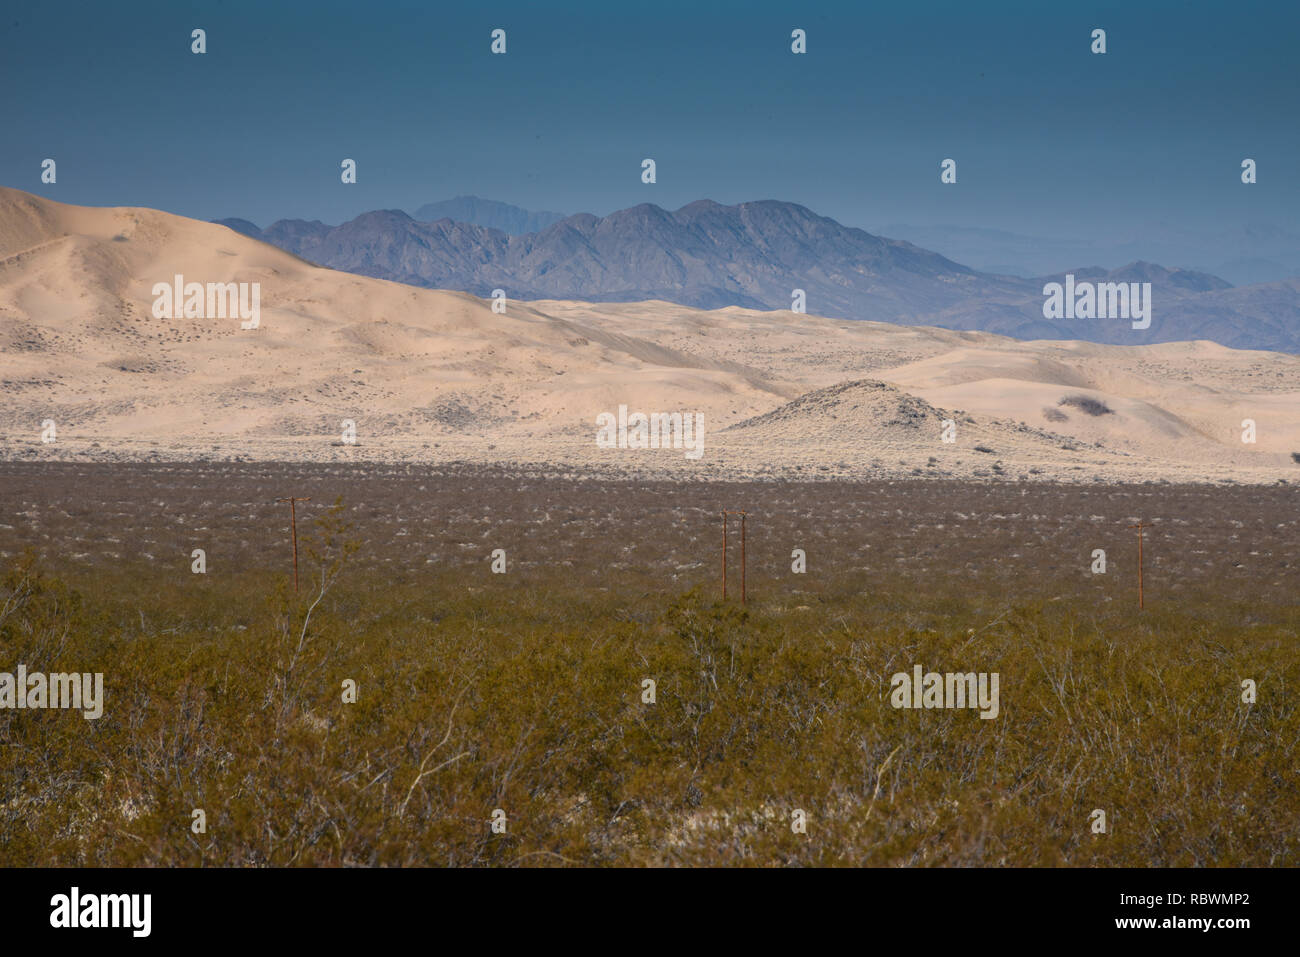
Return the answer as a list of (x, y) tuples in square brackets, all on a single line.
[(1086, 403), (1054, 415)]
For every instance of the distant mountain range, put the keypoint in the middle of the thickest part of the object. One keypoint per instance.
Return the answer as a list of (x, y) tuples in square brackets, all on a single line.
[(754, 255), (487, 212), (1242, 255)]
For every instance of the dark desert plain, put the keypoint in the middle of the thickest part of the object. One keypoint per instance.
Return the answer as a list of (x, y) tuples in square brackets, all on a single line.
[(521, 696)]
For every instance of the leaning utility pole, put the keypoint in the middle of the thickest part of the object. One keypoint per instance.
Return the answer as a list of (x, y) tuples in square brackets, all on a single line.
[(1139, 526), (293, 524), (742, 513)]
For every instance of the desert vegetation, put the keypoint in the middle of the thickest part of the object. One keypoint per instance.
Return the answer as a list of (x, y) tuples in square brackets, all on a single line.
[(1087, 404), (524, 691)]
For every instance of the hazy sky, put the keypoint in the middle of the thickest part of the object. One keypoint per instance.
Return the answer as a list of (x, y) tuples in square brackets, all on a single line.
[(1049, 138)]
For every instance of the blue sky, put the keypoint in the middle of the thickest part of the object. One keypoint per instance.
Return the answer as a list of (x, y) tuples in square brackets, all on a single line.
[(1049, 138)]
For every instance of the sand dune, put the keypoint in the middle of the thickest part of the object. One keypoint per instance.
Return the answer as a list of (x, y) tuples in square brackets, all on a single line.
[(428, 375)]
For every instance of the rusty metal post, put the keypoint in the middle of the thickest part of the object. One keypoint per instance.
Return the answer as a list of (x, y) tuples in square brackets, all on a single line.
[(293, 524), (724, 554), (743, 564), (1139, 527)]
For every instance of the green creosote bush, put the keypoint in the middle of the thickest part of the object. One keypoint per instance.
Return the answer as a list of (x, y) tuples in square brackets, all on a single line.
[(528, 698)]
